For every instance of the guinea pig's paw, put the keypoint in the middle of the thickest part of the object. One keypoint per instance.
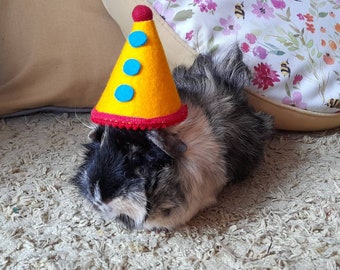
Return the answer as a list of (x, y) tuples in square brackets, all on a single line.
[(126, 221), (159, 230)]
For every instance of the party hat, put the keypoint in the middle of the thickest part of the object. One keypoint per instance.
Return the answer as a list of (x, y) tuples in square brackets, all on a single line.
[(140, 93)]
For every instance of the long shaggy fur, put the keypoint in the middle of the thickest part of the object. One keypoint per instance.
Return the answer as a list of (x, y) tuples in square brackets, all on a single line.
[(162, 178)]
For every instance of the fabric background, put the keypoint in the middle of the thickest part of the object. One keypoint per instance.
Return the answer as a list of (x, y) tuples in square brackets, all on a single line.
[(55, 53), (292, 48)]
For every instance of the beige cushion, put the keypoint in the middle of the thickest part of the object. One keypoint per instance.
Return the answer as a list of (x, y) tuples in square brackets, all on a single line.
[(291, 118), (55, 53)]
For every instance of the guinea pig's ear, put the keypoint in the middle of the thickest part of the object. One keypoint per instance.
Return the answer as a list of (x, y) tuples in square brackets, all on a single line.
[(167, 142), (233, 70), (96, 134)]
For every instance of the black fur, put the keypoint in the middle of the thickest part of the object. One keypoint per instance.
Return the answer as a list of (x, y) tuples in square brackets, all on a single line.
[(242, 130)]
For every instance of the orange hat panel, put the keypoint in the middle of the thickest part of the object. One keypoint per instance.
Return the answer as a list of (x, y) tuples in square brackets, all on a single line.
[(140, 93)]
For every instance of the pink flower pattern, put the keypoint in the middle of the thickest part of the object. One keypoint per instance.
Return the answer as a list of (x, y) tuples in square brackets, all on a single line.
[(245, 47), (297, 79), (166, 13), (206, 5), (283, 43), (262, 9), (260, 52), (189, 35), (251, 38), (229, 25), (279, 4), (211, 5), (295, 100), (265, 76)]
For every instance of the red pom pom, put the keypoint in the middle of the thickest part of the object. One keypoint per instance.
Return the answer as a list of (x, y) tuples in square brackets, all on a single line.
[(141, 13)]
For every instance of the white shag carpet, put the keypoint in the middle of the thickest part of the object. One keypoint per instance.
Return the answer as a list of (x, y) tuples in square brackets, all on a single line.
[(285, 216)]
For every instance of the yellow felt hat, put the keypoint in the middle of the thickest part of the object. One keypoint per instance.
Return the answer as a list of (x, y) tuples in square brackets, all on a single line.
[(140, 93)]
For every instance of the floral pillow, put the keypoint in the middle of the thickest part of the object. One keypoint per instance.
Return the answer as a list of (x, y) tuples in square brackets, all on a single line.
[(292, 47)]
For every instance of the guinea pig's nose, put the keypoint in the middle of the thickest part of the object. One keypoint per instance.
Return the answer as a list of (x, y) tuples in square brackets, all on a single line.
[(106, 201)]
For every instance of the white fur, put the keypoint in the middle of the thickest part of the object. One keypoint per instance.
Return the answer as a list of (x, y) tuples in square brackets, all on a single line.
[(134, 208), (202, 173)]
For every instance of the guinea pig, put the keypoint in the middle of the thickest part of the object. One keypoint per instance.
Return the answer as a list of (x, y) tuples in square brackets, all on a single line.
[(159, 179)]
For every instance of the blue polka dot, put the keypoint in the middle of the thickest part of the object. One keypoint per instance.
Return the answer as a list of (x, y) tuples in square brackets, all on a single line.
[(124, 93), (131, 67), (137, 39)]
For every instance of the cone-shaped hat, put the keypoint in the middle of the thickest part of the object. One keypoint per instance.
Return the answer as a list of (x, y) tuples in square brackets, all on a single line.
[(140, 93)]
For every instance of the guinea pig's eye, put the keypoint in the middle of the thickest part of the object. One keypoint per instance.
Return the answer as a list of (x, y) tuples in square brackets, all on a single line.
[(136, 159)]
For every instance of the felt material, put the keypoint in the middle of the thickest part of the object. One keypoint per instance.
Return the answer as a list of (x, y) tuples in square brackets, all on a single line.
[(176, 50), (139, 123), (140, 89), (142, 13)]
